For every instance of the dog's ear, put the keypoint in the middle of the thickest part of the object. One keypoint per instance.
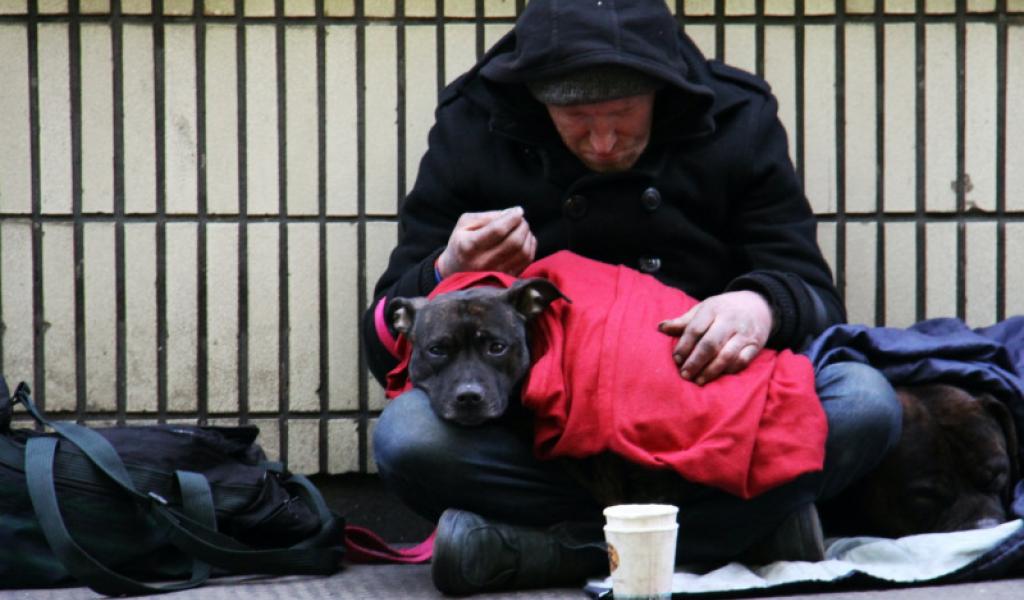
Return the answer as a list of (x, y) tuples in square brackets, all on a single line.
[(402, 311), (531, 296), (1002, 415)]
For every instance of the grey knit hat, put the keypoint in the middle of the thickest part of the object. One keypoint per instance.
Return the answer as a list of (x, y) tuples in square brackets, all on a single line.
[(597, 83)]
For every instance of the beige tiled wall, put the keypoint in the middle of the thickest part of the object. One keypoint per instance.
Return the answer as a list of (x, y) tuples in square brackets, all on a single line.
[(194, 207)]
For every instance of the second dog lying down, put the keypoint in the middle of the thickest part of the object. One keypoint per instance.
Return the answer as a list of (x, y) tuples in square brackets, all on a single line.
[(953, 469)]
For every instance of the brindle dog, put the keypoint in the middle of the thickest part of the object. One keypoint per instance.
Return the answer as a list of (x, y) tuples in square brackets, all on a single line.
[(470, 347), (953, 469)]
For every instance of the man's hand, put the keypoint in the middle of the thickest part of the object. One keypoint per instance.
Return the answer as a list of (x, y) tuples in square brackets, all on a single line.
[(720, 335), (497, 240)]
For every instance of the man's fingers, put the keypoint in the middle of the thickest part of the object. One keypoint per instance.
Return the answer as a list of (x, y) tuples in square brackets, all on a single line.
[(747, 355), (704, 352), (479, 237), (519, 237), (497, 240), (511, 263), (734, 356), (677, 325), (531, 248), (512, 250), (496, 231), (476, 220), (522, 259), (722, 334), (689, 342)]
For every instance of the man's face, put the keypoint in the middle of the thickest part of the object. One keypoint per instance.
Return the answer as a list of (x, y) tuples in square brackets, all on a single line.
[(607, 136)]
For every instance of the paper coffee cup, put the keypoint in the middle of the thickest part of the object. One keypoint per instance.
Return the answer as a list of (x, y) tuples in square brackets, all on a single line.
[(641, 549)]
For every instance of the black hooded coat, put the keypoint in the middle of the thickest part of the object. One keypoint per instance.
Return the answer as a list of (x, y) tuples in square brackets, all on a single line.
[(712, 205)]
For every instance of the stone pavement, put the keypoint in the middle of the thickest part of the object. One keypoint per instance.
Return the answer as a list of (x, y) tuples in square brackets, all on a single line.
[(412, 582)]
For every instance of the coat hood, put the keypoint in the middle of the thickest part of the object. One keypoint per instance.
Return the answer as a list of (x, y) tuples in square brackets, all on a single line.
[(556, 37)]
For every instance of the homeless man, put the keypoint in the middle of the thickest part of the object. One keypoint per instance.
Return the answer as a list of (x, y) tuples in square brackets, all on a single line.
[(598, 127)]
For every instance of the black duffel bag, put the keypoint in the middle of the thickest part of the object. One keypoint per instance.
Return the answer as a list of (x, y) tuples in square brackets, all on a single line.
[(115, 508)]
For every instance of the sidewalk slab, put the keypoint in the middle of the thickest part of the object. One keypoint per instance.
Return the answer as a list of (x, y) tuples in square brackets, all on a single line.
[(412, 582)]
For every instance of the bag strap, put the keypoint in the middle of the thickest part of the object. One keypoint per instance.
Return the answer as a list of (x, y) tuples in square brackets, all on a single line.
[(332, 527), (225, 552), (5, 406), (193, 531), (39, 456), (197, 503), (362, 544), (93, 445)]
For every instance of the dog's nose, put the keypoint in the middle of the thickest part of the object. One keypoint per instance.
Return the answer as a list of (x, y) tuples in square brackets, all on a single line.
[(986, 523), (468, 399), (469, 396)]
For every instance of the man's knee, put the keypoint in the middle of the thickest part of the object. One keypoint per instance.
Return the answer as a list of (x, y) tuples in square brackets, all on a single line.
[(861, 402), (865, 420), (408, 436)]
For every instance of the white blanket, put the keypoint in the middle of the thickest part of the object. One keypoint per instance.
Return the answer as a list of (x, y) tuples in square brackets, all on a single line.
[(908, 560)]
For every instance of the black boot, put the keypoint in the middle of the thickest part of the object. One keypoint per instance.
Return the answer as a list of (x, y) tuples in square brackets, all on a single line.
[(474, 555)]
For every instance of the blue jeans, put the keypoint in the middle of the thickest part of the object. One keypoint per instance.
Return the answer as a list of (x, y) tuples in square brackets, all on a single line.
[(490, 469)]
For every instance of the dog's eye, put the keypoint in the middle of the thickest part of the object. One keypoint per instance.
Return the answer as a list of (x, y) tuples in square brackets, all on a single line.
[(996, 482), (926, 498), (497, 348), (437, 350)]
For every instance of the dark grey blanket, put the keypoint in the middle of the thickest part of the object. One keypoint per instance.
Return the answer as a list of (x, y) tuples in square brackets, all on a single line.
[(989, 359)]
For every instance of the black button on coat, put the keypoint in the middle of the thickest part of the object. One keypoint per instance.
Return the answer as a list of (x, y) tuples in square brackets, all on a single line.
[(730, 212), (651, 199)]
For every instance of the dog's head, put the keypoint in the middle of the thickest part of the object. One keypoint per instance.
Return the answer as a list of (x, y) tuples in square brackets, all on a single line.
[(470, 348), (953, 468)]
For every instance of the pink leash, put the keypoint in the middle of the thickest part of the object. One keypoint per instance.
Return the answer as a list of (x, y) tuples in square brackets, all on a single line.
[(366, 547)]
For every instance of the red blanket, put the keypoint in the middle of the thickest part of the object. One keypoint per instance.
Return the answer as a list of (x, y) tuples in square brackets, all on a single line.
[(603, 379)]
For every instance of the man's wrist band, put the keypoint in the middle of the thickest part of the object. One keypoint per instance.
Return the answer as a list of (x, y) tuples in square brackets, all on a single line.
[(437, 271)]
